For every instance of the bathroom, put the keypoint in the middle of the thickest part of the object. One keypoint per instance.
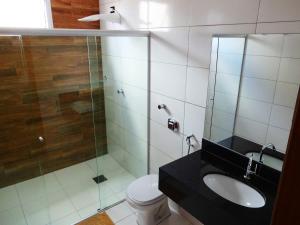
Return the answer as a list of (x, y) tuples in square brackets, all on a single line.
[(89, 108)]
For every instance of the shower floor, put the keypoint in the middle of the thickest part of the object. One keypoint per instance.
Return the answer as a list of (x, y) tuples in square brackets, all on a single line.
[(65, 196)]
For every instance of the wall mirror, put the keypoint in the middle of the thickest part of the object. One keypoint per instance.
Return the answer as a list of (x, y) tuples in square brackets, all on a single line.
[(253, 86)]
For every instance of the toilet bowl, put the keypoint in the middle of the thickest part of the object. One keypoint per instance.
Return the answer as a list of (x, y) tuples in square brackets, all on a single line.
[(150, 204)]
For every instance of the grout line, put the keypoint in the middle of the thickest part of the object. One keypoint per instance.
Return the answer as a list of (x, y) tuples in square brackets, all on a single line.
[(280, 21), (21, 205), (202, 25), (185, 91), (257, 16), (266, 124)]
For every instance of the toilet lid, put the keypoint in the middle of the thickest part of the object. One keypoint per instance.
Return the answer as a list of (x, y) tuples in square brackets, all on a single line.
[(145, 190)]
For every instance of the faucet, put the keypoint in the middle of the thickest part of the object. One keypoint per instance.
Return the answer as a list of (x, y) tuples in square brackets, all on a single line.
[(270, 145), (249, 170)]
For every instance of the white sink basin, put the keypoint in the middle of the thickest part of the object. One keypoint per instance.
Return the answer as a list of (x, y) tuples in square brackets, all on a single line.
[(234, 190), (267, 160)]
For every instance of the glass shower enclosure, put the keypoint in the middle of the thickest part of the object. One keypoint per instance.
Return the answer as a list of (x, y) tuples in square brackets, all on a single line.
[(74, 111)]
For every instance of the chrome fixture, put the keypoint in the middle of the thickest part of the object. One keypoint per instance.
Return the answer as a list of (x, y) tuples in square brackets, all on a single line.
[(173, 125), (120, 91), (249, 170), (264, 147), (113, 16), (41, 139), (188, 141), (161, 106)]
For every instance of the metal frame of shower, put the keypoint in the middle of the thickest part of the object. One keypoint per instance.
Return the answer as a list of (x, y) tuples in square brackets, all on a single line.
[(73, 32), (96, 33)]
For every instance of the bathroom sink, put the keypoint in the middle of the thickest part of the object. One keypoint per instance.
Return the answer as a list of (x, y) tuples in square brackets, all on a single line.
[(267, 160), (234, 190)]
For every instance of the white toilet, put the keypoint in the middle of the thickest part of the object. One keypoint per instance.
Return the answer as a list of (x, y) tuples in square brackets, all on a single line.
[(150, 204)]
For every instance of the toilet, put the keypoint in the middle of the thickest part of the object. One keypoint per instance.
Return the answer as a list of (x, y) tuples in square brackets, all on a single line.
[(150, 204)]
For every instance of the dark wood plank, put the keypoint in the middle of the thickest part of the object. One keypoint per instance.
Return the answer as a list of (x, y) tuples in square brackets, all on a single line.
[(66, 13)]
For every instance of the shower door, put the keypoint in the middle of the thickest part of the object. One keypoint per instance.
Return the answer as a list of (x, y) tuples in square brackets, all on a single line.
[(59, 67), (123, 82), (74, 125)]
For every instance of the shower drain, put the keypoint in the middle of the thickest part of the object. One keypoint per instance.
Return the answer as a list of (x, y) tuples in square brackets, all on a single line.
[(99, 179)]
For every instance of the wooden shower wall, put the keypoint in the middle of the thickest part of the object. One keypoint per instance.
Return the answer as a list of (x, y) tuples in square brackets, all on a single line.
[(45, 91), (66, 12)]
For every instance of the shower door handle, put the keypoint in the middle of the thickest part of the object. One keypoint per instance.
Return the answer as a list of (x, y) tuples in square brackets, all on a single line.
[(120, 91), (41, 139)]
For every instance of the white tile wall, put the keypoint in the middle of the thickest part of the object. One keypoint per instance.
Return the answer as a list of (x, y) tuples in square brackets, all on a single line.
[(158, 159), (291, 46), (179, 38), (286, 94), (169, 45), (200, 38), (278, 27), (174, 109), (278, 137), (265, 45), (196, 87), (168, 13), (212, 12), (251, 130), (227, 83), (289, 70), (229, 63), (168, 80), (281, 117), (223, 120), (166, 140), (194, 123), (254, 110), (225, 102), (261, 67), (264, 89), (269, 87), (277, 10)]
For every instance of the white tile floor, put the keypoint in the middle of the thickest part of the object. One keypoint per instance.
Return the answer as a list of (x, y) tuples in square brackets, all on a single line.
[(123, 214), (65, 196)]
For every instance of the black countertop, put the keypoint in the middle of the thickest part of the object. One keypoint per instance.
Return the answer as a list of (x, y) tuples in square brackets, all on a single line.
[(244, 146), (182, 181)]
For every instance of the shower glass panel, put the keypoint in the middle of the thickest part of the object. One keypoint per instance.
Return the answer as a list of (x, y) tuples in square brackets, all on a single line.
[(125, 80), (74, 124), (225, 77)]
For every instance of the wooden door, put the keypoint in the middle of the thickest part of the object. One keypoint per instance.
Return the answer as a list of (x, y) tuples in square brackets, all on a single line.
[(288, 197)]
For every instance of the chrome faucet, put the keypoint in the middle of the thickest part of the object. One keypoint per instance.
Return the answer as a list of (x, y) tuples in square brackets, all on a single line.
[(264, 147), (249, 170)]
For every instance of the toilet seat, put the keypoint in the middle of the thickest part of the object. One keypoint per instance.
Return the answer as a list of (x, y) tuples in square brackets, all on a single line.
[(144, 191)]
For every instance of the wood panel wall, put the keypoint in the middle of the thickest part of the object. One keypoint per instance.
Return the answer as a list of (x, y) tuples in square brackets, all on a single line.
[(66, 12), (45, 91)]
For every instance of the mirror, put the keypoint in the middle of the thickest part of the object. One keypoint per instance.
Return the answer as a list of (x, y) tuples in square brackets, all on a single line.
[(253, 87)]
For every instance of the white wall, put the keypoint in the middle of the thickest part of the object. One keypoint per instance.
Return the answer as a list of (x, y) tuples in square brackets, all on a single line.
[(269, 87), (180, 54)]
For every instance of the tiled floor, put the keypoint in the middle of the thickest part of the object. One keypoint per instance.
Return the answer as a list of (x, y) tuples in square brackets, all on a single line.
[(122, 214), (65, 196)]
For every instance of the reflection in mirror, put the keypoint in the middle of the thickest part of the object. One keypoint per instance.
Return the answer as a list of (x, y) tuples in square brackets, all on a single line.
[(225, 73), (253, 87)]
